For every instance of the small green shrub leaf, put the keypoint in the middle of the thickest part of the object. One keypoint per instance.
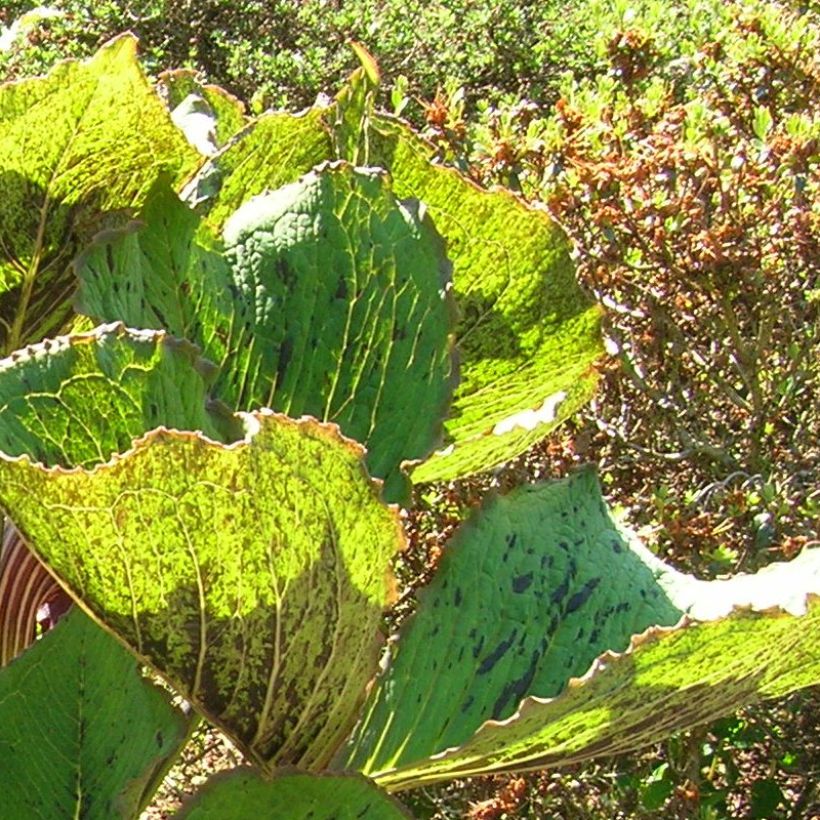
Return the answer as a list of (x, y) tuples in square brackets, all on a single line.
[(251, 574), (331, 300), (529, 595), (79, 147), (294, 795), (84, 734)]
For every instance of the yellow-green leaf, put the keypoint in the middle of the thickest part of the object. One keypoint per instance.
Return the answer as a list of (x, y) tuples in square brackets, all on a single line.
[(78, 149), (251, 574)]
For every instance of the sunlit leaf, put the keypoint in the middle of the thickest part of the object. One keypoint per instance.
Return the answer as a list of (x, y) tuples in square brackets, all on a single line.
[(251, 574), (529, 595), (78, 150)]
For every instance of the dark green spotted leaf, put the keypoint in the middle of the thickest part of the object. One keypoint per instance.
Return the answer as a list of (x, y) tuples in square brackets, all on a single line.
[(83, 733), (330, 300), (78, 149), (241, 794), (251, 574), (529, 595)]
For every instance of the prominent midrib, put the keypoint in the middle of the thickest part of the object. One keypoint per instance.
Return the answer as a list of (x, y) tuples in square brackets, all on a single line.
[(16, 334)]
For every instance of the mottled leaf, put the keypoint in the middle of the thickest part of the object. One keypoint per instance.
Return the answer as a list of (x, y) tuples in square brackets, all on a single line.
[(331, 301), (527, 337), (83, 733), (252, 575), (531, 591), (275, 150), (77, 401), (291, 796), (79, 148)]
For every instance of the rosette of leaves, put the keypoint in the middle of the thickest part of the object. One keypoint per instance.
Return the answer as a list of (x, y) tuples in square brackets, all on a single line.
[(193, 473)]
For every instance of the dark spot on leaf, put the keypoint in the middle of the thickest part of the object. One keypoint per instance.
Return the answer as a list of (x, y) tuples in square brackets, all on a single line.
[(521, 583), (561, 592), (495, 656), (285, 273), (582, 596), (467, 703), (616, 546), (457, 597), (516, 689)]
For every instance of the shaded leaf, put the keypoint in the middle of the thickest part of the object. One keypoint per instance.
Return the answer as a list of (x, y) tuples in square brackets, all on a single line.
[(84, 734), (291, 796), (79, 147), (534, 589), (251, 575)]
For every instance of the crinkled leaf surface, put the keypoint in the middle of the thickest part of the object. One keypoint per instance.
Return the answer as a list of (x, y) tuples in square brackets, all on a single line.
[(527, 337), (83, 733), (292, 796), (330, 301), (531, 591), (77, 149), (252, 574)]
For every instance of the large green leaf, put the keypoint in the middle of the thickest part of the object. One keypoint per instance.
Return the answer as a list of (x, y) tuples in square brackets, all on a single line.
[(252, 574), (82, 733), (528, 337), (534, 589), (331, 301), (77, 149), (291, 796)]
